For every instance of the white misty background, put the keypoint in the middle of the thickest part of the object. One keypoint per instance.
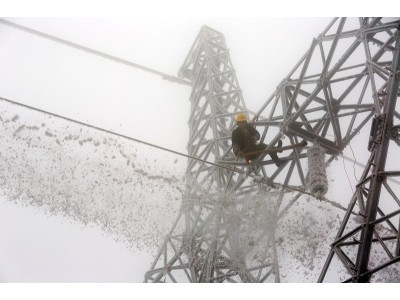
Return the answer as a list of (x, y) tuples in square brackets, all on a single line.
[(80, 205)]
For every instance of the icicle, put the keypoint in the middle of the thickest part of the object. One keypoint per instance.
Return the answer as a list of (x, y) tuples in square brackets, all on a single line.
[(317, 180)]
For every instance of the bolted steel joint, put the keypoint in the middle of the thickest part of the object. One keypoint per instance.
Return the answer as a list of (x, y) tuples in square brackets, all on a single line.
[(323, 81), (381, 176)]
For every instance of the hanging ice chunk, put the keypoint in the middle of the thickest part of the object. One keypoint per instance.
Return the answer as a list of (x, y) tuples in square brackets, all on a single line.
[(317, 180)]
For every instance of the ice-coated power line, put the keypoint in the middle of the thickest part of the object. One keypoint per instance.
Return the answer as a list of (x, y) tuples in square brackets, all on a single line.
[(236, 170), (94, 52)]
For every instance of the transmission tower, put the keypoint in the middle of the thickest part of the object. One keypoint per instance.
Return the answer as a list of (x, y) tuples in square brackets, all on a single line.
[(347, 77), (203, 245)]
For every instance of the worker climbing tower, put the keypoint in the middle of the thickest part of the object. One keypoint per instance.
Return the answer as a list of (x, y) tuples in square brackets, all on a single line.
[(227, 226)]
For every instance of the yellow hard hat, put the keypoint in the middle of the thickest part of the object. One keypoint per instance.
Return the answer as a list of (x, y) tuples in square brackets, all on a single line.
[(240, 117)]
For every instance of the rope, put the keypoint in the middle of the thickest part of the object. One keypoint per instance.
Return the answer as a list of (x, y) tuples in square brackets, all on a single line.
[(354, 164), (257, 179), (347, 175), (95, 52)]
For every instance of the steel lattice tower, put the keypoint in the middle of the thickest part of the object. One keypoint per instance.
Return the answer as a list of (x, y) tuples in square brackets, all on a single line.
[(348, 76), (203, 245)]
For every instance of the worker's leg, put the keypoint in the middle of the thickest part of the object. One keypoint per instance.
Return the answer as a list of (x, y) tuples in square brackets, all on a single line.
[(276, 159), (279, 145), (274, 156), (260, 147)]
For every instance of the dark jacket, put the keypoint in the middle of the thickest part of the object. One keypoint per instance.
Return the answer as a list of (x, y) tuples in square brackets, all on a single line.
[(243, 139)]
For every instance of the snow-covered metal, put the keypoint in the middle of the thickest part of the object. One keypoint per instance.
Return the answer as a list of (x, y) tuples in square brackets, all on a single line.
[(317, 179), (348, 75), (372, 247), (215, 230)]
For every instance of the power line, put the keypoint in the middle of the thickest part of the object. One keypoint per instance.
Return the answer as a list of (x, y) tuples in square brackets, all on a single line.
[(118, 134), (258, 179), (94, 52)]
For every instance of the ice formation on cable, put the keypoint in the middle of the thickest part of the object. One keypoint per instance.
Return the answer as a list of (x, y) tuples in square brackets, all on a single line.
[(131, 191)]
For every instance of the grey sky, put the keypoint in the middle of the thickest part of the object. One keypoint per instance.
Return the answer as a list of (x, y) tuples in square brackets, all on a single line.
[(90, 89), (85, 87), (82, 86)]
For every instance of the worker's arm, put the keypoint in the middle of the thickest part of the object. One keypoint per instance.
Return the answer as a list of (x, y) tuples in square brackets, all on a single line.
[(236, 143), (255, 135)]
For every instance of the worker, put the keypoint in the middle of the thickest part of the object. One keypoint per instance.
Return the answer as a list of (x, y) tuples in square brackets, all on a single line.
[(244, 140)]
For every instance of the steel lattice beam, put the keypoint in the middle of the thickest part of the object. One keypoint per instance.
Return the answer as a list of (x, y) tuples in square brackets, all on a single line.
[(353, 246)]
